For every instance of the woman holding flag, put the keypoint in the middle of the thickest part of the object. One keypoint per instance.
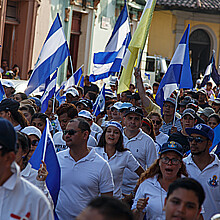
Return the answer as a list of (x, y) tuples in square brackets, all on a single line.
[(37, 178)]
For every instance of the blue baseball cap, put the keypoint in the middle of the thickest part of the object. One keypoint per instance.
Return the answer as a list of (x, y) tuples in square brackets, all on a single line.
[(201, 129), (171, 146)]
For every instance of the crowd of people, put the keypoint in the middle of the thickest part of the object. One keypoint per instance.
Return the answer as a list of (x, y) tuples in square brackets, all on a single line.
[(132, 161)]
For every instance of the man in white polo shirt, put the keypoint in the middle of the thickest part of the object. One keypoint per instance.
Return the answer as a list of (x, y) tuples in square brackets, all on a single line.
[(204, 167), (19, 199), (139, 143), (84, 174)]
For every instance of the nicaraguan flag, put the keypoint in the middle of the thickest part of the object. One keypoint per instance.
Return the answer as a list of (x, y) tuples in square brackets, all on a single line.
[(53, 53), (49, 91), (178, 74), (61, 99), (99, 105), (2, 92), (74, 79), (45, 151), (211, 71), (109, 62)]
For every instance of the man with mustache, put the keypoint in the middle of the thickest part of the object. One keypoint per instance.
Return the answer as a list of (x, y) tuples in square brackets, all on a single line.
[(204, 167)]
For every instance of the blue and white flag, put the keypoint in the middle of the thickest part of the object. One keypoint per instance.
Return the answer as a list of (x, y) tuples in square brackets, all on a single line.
[(49, 91), (2, 92), (211, 72), (109, 62), (53, 53), (99, 105), (178, 74), (46, 151), (74, 79), (61, 99)]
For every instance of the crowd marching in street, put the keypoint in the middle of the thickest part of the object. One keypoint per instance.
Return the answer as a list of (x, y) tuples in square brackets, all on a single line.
[(121, 152)]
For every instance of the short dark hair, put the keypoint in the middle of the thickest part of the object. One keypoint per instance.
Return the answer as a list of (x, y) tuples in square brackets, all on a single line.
[(40, 115), (156, 84), (68, 108), (23, 95), (29, 108), (188, 184), (83, 124), (127, 92), (215, 116), (111, 208)]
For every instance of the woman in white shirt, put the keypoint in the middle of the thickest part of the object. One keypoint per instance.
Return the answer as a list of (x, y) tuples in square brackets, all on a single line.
[(153, 185), (111, 149)]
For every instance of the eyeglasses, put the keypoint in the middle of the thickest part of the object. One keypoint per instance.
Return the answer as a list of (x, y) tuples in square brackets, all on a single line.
[(196, 139), (156, 122), (166, 160), (70, 132), (34, 142)]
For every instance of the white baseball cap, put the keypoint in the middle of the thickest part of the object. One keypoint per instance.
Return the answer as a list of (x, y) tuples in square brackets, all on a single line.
[(85, 114), (8, 84), (31, 130), (58, 139), (72, 91)]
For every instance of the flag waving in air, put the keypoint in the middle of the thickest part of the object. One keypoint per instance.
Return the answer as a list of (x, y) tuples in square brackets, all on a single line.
[(53, 53), (45, 151), (75, 78), (109, 62), (49, 91), (2, 92), (211, 72), (178, 74), (137, 42), (99, 105)]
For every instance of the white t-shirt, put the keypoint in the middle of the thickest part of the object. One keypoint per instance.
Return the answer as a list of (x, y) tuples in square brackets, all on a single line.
[(161, 138), (209, 178), (118, 162), (143, 149), (81, 181), (151, 188), (19, 198)]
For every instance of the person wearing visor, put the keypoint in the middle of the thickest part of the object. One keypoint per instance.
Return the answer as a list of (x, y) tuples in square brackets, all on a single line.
[(34, 134), (111, 148), (115, 112), (151, 189), (204, 167)]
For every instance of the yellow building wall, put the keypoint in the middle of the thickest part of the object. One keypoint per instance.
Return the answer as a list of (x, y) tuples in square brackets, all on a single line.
[(162, 34), (214, 27)]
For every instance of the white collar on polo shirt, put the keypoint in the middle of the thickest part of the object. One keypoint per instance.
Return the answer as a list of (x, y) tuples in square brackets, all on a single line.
[(14, 178)]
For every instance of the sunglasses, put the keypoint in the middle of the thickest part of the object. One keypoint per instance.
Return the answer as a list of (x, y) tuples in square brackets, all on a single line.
[(34, 142), (196, 139), (70, 132), (166, 160), (156, 122)]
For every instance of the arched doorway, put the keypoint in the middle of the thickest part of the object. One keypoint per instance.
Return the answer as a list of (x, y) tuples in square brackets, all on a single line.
[(199, 46)]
